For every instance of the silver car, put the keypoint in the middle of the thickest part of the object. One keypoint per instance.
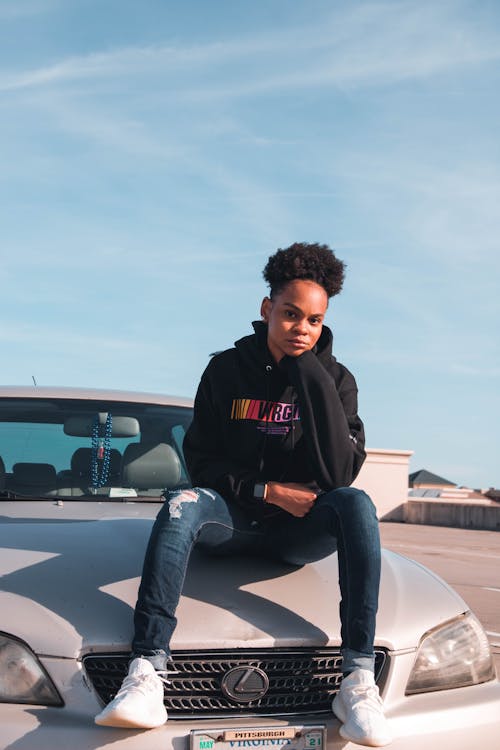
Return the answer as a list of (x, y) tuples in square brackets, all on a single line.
[(256, 651)]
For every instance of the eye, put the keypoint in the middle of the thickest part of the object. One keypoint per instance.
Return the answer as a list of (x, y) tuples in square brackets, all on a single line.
[(315, 321), (289, 314)]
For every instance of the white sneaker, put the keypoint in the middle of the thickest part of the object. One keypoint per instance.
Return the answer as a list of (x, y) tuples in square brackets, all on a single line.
[(359, 708), (139, 702)]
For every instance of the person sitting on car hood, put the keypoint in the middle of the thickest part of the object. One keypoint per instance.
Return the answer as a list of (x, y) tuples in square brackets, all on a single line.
[(273, 448)]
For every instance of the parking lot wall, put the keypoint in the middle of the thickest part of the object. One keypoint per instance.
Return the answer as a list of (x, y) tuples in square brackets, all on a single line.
[(459, 515)]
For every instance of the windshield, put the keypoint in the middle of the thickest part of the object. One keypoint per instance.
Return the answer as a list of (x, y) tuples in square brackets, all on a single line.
[(71, 448)]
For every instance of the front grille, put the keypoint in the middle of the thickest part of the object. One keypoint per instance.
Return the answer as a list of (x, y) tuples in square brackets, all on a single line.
[(300, 681)]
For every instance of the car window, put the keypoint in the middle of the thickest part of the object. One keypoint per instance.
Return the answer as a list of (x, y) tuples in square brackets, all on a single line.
[(46, 443), (80, 448)]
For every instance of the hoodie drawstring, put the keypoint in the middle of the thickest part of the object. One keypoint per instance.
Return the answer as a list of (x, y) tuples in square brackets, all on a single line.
[(269, 370)]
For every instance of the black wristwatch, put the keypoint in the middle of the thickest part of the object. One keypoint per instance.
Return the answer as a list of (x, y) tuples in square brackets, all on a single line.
[(260, 491)]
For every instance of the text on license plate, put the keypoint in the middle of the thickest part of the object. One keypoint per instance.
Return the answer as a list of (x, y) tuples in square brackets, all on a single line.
[(260, 738)]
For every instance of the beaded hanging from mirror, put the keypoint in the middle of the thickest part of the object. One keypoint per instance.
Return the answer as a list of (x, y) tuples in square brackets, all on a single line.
[(101, 451)]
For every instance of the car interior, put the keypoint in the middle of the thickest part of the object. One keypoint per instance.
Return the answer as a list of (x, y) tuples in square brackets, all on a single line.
[(80, 449)]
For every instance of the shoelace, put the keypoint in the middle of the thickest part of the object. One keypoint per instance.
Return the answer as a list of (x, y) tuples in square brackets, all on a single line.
[(163, 675), (369, 695), (142, 683)]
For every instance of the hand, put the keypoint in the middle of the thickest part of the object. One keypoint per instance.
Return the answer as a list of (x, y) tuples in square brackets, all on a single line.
[(296, 499)]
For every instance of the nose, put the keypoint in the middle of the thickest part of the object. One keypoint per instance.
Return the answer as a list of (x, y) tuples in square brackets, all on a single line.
[(301, 326)]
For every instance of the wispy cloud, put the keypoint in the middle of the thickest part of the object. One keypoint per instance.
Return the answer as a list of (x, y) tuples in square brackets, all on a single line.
[(104, 125), (66, 342), (477, 371), (446, 212), (370, 44)]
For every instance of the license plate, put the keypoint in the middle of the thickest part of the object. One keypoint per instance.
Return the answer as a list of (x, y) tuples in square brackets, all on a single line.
[(260, 738)]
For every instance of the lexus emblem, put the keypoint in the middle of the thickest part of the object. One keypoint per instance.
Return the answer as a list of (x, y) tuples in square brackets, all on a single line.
[(245, 684)]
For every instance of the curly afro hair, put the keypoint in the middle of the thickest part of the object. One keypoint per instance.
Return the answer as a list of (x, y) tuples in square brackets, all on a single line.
[(305, 261)]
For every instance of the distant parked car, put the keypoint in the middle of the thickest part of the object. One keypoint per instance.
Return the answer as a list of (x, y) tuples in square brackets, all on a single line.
[(256, 650)]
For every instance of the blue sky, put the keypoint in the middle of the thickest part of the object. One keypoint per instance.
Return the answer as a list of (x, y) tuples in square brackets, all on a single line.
[(154, 154)]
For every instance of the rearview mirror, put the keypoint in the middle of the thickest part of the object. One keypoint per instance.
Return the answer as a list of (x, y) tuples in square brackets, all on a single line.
[(82, 425)]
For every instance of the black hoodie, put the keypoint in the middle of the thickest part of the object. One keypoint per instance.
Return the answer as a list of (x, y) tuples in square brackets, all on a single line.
[(256, 421)]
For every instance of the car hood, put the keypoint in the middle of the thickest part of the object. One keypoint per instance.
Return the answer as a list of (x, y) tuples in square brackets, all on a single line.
[(71, 570)]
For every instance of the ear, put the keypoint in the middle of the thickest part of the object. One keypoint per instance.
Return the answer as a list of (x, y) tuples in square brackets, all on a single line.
[(265, 309)]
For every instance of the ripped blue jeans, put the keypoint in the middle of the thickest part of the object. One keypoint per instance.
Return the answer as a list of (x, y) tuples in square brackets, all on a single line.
[(342, 520)]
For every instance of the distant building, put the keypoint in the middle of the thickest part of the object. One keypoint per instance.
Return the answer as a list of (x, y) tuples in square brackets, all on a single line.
[(492, 493), (423, 479), (424, 483)]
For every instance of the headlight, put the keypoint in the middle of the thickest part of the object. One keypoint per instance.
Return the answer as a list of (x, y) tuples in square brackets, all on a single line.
[(22, 677), (452, 655)]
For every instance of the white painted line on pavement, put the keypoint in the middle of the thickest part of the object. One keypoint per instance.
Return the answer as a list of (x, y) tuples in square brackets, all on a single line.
[(489, 588), (492, 632), (431, 549)]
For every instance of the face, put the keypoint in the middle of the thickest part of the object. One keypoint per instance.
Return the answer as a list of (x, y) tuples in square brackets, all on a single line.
[(295, 318)]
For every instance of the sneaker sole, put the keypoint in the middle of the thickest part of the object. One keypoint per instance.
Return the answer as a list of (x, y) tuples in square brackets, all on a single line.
[(366, 741), (341, 715), (122, 722)]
